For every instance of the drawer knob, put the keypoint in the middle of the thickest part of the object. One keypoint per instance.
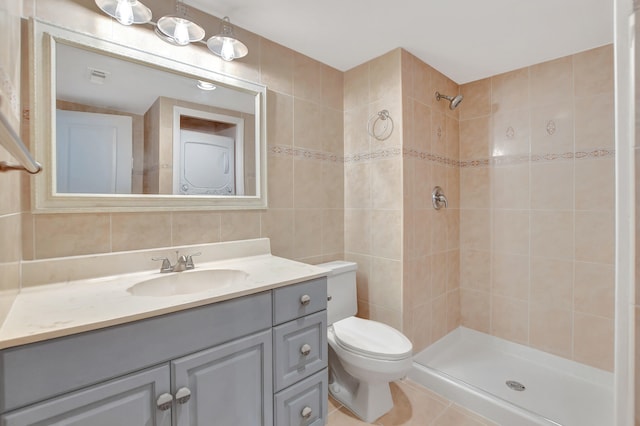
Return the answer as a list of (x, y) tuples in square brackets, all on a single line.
[(305, 349), (164, 401), (183, 395), (306, 412), (305, 300)]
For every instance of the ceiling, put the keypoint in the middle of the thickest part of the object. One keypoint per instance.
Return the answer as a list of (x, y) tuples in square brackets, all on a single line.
[(466, 40)]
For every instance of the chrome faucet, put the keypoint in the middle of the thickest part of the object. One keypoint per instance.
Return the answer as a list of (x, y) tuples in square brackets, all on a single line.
[(184, 263)]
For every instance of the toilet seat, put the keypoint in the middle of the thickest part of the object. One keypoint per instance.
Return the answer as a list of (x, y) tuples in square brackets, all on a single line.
[(372, 339)]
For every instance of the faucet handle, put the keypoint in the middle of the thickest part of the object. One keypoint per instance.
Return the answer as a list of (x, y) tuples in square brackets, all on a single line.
[(166, 264), (190, 264)]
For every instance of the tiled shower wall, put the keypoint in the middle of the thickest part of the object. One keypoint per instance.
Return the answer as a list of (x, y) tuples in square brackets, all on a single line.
[(407, 253), (373, 186), (305, 174), (537, 200), (431, 261)]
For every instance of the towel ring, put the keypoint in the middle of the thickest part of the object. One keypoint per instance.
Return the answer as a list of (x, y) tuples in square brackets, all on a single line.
[(380, 125)]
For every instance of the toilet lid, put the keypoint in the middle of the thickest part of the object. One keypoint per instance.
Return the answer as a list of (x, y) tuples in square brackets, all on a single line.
[(372, 339)]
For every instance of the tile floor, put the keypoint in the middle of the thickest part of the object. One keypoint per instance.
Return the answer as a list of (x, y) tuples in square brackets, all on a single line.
[(414, 405)]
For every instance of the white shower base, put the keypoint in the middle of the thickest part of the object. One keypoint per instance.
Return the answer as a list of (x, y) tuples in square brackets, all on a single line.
[(471, 368)]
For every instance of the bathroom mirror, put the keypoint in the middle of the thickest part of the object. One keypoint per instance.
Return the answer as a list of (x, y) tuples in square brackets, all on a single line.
[(124, 129)]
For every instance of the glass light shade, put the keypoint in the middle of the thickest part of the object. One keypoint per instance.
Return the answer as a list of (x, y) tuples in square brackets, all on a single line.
[(126, 12), (225, 44), (181, 30)]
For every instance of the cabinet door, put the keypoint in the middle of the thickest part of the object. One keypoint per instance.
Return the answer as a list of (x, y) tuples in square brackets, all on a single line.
[(230, 384), (127, 401)]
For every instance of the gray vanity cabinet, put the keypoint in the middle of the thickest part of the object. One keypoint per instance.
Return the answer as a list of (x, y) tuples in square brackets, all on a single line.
[(222, 364), (126, 401)]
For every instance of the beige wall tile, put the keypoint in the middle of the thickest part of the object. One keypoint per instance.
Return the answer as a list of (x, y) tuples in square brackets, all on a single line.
[(307, 115), (594, 122), (552, 128), (475, 308), (552, 81), (510, 319), (356, 87), (357, 181), (439, 267), (276, 66), (475, 229), (510, 133), (510, 187), (333, 184), (439, 317), (279, 119), (277, 225), (594, 291), (242, 225), (384, 76), (552, 234), (510, 90), (357, 225), (308, 186), (356, 139), (76, 234), (280, 181), (307, 78), (385, 283), (475, 188), (332, 87), (595, 184), (593, 71), (552, 185), (386, 183), (511, 231), (475, 136), (195, 228), (510, 275), (307, 233), (593, 341), (386, 238), (477, 99), (551, 329), (332, 231), (421, 126), (595, 236), (552, 282), (475, 269)]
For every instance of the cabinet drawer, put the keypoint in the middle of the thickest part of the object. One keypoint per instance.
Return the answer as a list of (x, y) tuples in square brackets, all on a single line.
[(291, 341), (307, 398), (298, 300)]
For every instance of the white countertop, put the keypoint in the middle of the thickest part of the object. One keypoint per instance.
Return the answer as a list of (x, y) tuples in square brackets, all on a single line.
[(54, 310)]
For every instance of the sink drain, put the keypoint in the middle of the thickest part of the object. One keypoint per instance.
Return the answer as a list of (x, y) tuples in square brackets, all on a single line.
[(516, 386)]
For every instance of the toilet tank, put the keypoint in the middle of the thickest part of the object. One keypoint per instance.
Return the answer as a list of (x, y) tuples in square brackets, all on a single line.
[(341, 290)]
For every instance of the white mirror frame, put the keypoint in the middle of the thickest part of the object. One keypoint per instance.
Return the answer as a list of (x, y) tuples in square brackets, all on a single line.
[(44, 37)]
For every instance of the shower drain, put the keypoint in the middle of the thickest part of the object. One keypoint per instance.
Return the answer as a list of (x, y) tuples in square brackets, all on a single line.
[(516, 386)]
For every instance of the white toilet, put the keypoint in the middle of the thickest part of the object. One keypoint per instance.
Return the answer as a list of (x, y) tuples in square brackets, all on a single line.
[(364, 355)]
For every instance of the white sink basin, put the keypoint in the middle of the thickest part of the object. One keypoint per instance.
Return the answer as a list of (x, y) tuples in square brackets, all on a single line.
[(195, 281)]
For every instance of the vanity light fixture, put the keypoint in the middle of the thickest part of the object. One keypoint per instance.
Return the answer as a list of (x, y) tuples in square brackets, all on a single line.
[(225, 44), (126, 12), (178, 28)]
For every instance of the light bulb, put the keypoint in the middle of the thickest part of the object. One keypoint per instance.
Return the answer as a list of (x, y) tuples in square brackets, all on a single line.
[(181, 33), (124, 12), (227, 50)]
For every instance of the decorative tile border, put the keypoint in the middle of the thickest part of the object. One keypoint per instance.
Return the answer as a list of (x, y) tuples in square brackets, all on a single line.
[(507, 160), (303, 153)]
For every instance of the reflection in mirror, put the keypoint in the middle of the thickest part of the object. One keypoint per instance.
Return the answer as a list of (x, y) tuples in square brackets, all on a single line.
[(121, 128), (126, 128)]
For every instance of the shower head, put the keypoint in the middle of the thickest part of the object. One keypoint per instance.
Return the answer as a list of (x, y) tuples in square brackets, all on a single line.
[(453, 101)]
